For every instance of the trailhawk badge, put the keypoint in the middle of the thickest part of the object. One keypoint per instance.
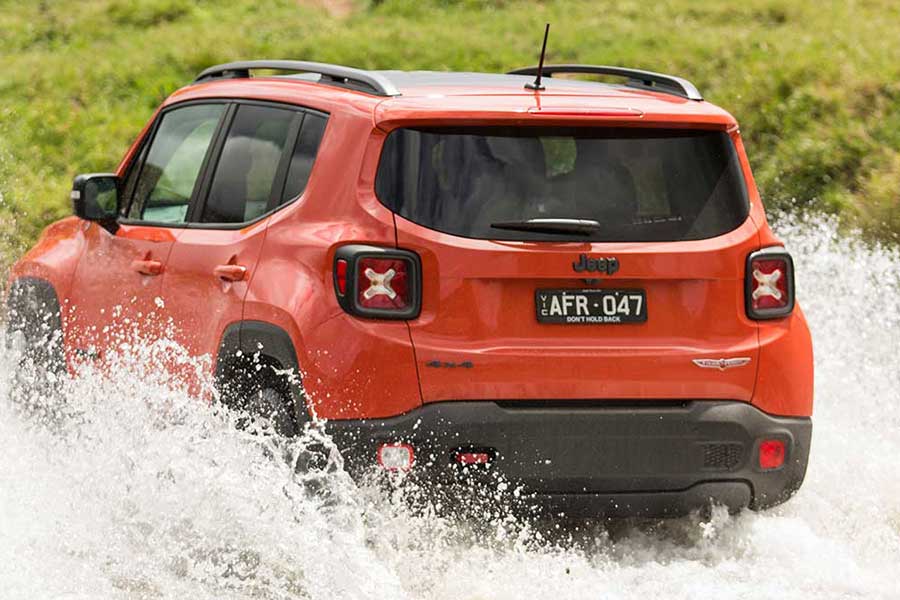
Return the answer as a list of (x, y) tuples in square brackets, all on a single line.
[(721, 363)]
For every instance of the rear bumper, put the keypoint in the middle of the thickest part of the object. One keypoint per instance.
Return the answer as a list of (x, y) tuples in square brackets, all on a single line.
[(595, 458)]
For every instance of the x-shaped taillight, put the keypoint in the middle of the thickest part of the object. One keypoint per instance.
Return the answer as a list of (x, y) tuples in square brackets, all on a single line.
[(376, 282), (767, 284), (379, 283)]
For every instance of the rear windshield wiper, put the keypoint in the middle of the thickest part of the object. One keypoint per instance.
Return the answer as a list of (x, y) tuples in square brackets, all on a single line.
[(565, 226)]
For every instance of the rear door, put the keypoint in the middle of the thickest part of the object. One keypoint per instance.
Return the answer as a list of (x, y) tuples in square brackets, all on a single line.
[(117, 289), (575, 263), (259, 165)]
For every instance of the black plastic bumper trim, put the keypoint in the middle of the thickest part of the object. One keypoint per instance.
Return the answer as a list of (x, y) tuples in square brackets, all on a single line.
[(595, 458)]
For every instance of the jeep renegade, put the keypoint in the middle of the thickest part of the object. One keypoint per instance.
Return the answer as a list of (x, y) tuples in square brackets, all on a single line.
[(571, 284)]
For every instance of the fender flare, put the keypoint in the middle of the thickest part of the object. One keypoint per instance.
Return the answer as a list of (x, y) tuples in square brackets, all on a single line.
[(252, 337)]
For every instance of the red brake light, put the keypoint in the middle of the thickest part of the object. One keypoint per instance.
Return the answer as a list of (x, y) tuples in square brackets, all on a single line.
[(771, 454), (472, 458), (382, 283), (341, 276), (770, 284), (378, 283)]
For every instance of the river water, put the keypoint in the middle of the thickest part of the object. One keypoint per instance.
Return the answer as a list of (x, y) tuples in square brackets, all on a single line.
[(122, 488)]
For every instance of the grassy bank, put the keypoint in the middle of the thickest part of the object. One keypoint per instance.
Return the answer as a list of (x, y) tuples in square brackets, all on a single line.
[(815, 85)]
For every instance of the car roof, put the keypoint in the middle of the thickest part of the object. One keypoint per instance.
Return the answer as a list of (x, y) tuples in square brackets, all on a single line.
[(463, 83), (397, 97), (426, 95), (467, 83)]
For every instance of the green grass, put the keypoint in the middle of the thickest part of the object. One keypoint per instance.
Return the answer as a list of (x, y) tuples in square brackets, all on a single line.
[(815, 85)]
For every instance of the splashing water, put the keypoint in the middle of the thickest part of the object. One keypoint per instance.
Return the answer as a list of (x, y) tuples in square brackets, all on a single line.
[(137, 491)]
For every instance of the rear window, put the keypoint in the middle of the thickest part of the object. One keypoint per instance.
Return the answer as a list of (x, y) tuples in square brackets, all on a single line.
[(635, 184)]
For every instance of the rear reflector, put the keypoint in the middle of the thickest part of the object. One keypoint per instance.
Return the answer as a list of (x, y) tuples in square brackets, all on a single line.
[(472, 458), (396, 456), (769, 284), (340, 274), (771, 454)]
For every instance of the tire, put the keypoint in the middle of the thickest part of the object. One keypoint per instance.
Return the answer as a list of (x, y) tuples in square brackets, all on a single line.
[(34, 334), (271, 402), (263, 395)]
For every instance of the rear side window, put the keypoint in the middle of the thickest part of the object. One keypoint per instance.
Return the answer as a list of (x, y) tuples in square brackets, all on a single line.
[(304, 155), (246, 173), (636, 184)]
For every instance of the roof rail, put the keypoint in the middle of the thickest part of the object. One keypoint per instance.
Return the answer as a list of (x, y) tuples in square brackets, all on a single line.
[(356, 79), (659, 82)]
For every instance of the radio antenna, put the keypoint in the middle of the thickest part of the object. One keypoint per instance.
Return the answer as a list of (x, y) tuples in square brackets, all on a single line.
[(536, 84)]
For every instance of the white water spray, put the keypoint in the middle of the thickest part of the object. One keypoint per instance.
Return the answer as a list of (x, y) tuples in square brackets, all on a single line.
[(139, 492)]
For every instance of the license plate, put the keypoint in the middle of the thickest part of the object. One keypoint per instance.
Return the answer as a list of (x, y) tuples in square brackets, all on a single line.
[(591, 307)]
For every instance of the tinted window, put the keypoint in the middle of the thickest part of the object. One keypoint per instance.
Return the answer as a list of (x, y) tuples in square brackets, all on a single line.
[(131, 179), (304, 155), (165, 181), (638, 184), (245, 175)]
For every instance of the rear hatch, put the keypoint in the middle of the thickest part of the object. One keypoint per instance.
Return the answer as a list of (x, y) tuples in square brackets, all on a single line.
[(575, 262)]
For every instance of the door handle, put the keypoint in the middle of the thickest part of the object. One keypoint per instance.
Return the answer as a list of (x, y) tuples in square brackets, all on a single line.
[(230, 272), (147, 267)]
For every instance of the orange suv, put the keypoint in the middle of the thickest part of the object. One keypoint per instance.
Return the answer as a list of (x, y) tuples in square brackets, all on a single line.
[(568, 284)]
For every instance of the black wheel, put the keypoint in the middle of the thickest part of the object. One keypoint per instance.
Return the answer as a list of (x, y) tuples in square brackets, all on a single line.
[(271, 401), (34, 335), (261, 393)]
